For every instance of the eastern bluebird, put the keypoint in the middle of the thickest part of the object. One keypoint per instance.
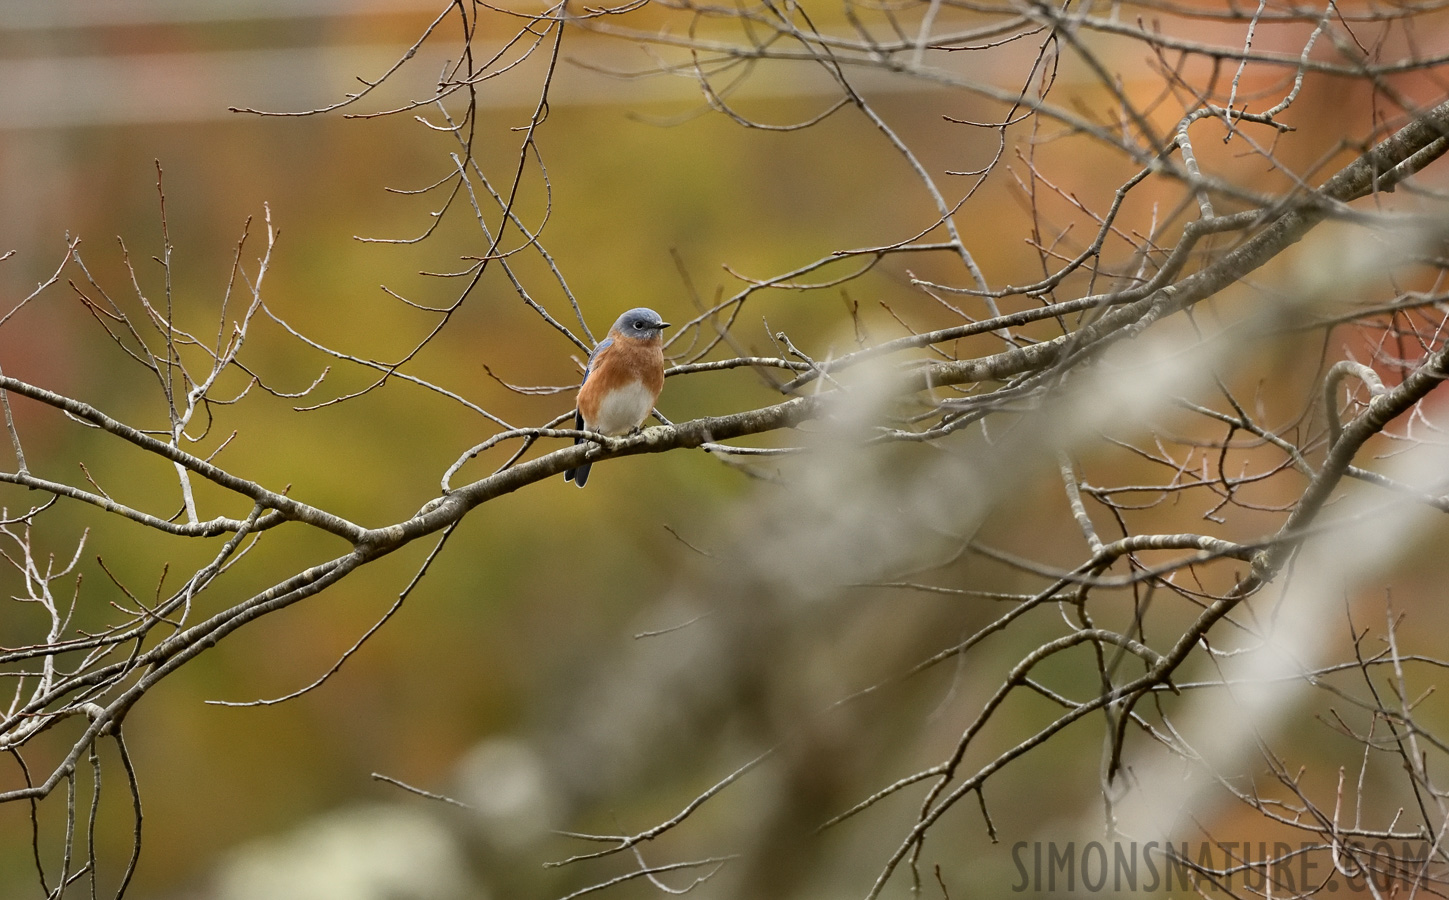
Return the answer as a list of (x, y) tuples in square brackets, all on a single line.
[(624, 377)]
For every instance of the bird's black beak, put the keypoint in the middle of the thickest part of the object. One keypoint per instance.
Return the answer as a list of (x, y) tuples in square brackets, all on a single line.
[(662, 325)]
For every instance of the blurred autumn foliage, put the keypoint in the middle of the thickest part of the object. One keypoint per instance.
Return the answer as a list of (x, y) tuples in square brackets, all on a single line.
[(736, 648)]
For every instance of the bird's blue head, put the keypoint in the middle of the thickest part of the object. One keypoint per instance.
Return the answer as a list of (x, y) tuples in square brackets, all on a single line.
[(641, 323)]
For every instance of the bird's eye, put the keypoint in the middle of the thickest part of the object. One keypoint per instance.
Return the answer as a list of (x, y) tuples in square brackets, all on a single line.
[(639, 324)]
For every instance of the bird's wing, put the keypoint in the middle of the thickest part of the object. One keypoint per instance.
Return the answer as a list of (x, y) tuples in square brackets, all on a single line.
[(605, 343)]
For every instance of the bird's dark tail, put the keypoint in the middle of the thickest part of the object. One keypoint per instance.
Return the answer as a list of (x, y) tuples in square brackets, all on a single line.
[(579, 474)]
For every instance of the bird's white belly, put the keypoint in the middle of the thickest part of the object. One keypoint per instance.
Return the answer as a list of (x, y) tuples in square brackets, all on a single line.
[(623, 409)]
